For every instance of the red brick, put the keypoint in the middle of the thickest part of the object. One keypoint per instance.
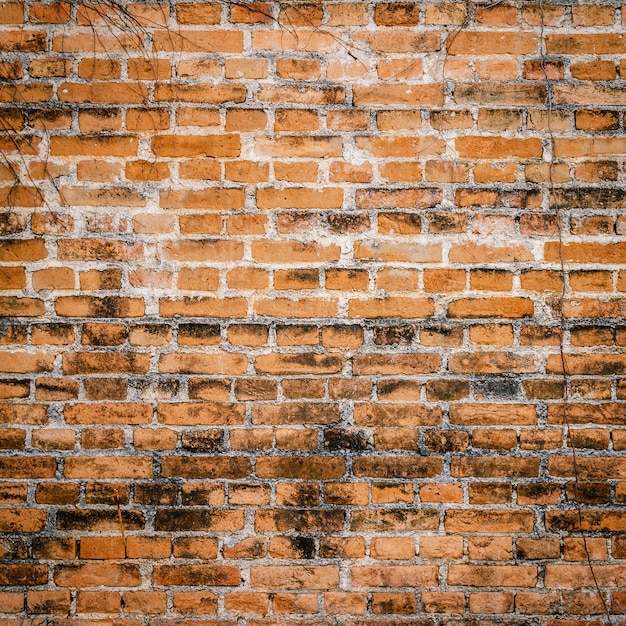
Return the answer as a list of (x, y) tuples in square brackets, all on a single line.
[(300, 520), (492, 575), (197, 575), (493, 414), (51, 602), (402, 40), (395, 576), (390, 520), (207, 467), (575, 576), (22, 520), (396, 415), (108, 467), (479, 43), (491, 307), (294, 577), (492, 363), (501, 94), (310, 468), (23, 574), (449, 602), (95, 575), (494, 467)]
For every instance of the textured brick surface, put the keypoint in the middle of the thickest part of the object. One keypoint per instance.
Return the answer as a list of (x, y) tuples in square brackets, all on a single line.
[(284, 281)]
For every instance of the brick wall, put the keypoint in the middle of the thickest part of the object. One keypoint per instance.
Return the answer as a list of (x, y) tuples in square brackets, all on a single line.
[(283, 281)]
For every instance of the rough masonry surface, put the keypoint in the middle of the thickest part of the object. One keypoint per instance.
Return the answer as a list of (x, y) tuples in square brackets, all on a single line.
[(296, 291)]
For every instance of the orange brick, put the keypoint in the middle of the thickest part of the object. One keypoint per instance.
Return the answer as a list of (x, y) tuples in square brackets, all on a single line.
[(12, 278)]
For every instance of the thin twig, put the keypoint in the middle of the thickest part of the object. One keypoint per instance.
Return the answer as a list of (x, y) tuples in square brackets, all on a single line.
[(121, 521), (554, 202)]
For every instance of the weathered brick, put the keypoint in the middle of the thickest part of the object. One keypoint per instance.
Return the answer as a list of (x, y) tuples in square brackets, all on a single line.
[(207, 467), (194, 363), (396, 415), (95, 575), (294, 577), (108, 467), (395, 576), (300, 520), (403, 40), (491, 307), (492, 363), (23, 574), (478, 43), (494, 467), (397, 467), (102, 363), (493, 575), (197, 520), (197, 575), (493, 414)]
